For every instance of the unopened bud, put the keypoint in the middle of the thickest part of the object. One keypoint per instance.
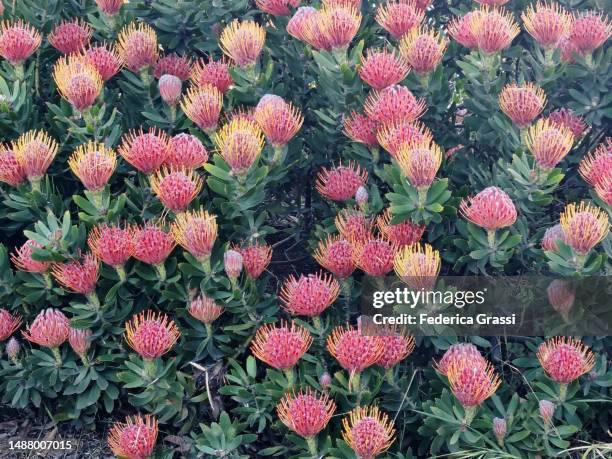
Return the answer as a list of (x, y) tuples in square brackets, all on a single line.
[(325, 380), (362, 196), (547, 411), (80, 341), (499, 429), (233, 264), (561, 296), (170, 89), (12, 348)]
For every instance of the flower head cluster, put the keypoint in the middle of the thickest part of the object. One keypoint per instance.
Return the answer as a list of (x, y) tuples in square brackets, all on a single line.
[(196, 232), (548, 143), (214, 73), (494, 30), (277, 7), (381, 68), (22, 258), (175, 65), (419, 161), (49, 329), (361, 128), (78, 82), (398, 17), (341, 182), (396, 345), (522, 103), (80, 341), (552, 236), (137, 46), (176, 187), (104, 59), (597, 165), (418, 266), (70, 37), (79, 276), (547, 23), (9, 323), (333, 26), (11, 171), (186, 151), (152, 244), (423, 48), (394, 103), (354, 350), (243, 42), (240, 143), (336, 255), (233, 264), (302, 24), (112, 244), (584, 226), (393, 136), (151, 334), (305, 413), (462, 29), (400, 234), (472, 384), (368, 431), (18, 41), (490, 209), (567, 118), (135, 438), (589, 31), (205, 309), (203, 105), (375, 256), (281, 346), (279, 120), (146, 151), (309, 295), (35, 151), (565, 359), (460, 352), (354, 226), (110, 7)]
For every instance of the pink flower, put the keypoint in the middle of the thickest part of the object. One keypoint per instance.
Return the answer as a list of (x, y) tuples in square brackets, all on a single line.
[(490, 209), (151, 334), (494, 30), (360, 128), (186, 151), (256, 258), (214, 73), (110, 7), (522, 103), (472, 385), (49, 329), (354, 350), (341, 182), (243, 42), (396, 345), (277, 7), (11, 171), (134, 439), (400, 234), (375, 257), (547, 23), (70, 36), (112, 244), (104, 59), (203, 105), (80, 341), (354, 226), (137, 46), (79, 276), (170, 89), (466, 352), (398, 17), (146, 151), (566, 117), (205, 309), (93, 164), (232, 262), (368, 432), (420, 161), (394, 103), (564, 359), (281, 347), (305, 412), (18, 41), (9, 323), (589, 31), (381, 68), (393, 136), (423, 49), (309, 295), (22, 258), (336, 255), (551, 237), (176, 188), (152, 245), (280, 122), (584, 226), (175, 65)]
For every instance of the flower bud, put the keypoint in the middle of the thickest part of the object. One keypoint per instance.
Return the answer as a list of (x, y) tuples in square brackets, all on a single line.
[(325, 380), (232, 261), (547, 411), (12, 348), (361, 196), (499, 429), (170, 89)]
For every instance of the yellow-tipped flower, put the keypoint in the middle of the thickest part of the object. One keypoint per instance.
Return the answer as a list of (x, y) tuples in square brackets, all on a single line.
[(176, 187), (522, 103), (368, 431), (77, 81), (418, 266), (548, 143), (137, 46), (35, 152), (419, 161), (547, 23), (337, 23), (423, 48), (203, 105), (240, 143), (196, 232), (243, 42), (584, 226), (93, 163)]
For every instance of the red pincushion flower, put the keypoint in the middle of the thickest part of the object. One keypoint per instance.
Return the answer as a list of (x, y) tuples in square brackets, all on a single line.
[(494, 30), (110, 7), (203, 106), (400, 234), (380, 68), (423, 49), (93, 164), (522, 103), (463, 30), (281, 347), (134, 439), (566, 117), (589, 31), (547, 23), (79, 276), (353, 350), (22, 258), (205, 309), (11, 171), (214, 73), (77, 81), (70, 36), (418, 266), (49, 329), (490, 209), (243, 42), (396, 345), (361, 128), (104, 59), (565, 359), (8, 324), (256, 258), (152, 245), (471, 384), (338, 24), (80, 340), (137, 46), (186, 151), (277, 7), (146, 151), (112, 244), (395, 103), (354, 226), (336, 255), (196, 232), (548, 143), (279, 122), (551, 238), (597, 165), (398, 17), (460, 352), (420, 161), (341, 182), (35, 151), (170, 89), (176, 188), (18, 41), (173, 64), (375, 257), (393, 136), (584, 226), (368, 432), (305, 413), (309, 295), (151, 334)]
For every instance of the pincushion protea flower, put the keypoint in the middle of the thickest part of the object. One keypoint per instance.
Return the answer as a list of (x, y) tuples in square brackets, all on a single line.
[(466, 352), (398, 17), (175, 65), (104, 59), (113, 245), (336, 255), (561, 297), (240, 143), (462, 29), (418, 266), (214, 73), (604, 189), (566, 117), (80, 341), (9, 323), (277, 7), (70, 36), (368, 432), (309, 295), (205, 309), (400, 234), (134, 439), (374, 257), (49, 329), (354, 351), (11, 172), (78, 82), (338, 24), (396, 345), (186, 151), (584, 226), (110, 7), (137, 46), (423, 49), (151, 334), (146, 151), (300, 24), (170, 89), (589, 31), (341, 182), (381, 68), (152, 245), (196, 232), (242, 42), (279, 122), (548, 143), (18, 41), (551, 237), (256, 258), (494, 30), (203, 105), (395, 103), (79, 276), (281, 347), (392, 136), (93, 164), (419, 161), (361, 128), (564, 360), (354, 226), (35, 151), (490, 209), (22, 258), (547, 23), (176, 188), (522, 103), (597, 165)]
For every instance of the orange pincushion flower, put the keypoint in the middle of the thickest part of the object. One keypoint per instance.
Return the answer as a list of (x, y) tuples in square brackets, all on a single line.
[(80, 341), (398, 17), (280, 122), (93, 164), (547, 23), (110, 7), (490, 209), (11, 171), (77, 81), (394, 103), (338, 24), (243, 41), (397, 345), (205, 309), (22, 258), (374, 257), (597, 165), (457, 353), (522, 103), (35, 152), (173, 64), (418, 266), (186, 151), (423, 49), (79, 276), (146, 151), (203, 105), (471, 384), (400, 234), (214, 73), (151, 334), (176, 188), (353, 350), (341, 182), (368, 432), (134, 439), (309, 295), (589, 31), (336, 255), (494, 30), (392, 136), (584, 226), (152, 245), (565, 359), (49, 329), (548, 143), (18, 41), (104, 59), (566, 117), (196, 232), (463, 30), (551, 237), (380, 68), (361, 128), (354, 226), (70, 36), (9, 323), (112, 244), (255, 258), (306, 413), (419, 161), (281, 347), (277, 7), (137, 46), (240, 143)]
